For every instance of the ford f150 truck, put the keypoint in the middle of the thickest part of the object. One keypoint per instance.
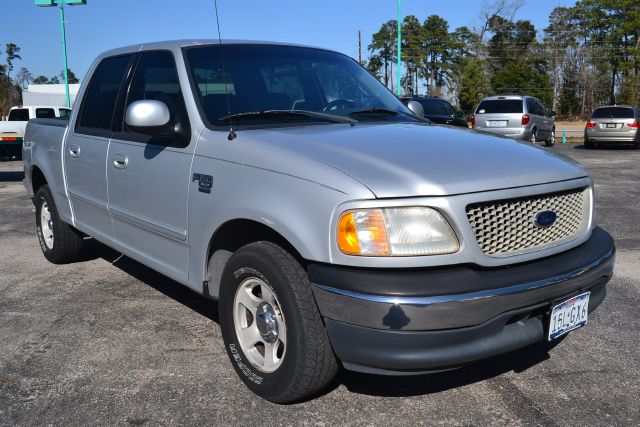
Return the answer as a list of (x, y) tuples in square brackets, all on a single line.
[(332, 225)]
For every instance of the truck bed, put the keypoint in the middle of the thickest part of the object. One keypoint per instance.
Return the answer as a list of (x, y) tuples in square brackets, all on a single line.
[(43, 146)]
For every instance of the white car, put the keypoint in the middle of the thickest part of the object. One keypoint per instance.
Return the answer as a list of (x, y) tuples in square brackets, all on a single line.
[(12, 130)]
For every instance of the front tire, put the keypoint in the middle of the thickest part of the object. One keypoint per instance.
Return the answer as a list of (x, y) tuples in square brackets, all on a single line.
[(271, 326), (60, 242), (551, 140)]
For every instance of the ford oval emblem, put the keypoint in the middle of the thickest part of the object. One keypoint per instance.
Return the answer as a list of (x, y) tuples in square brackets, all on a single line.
[(545, 219)]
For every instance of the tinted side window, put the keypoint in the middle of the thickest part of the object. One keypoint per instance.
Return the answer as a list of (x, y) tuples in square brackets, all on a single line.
[(45, 113), (437, 107), (19, 115), (531, 106), (542, 111), (99, 100), (156, 78)]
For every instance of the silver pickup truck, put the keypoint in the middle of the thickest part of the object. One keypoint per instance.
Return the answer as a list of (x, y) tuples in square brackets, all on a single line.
[(332, 225)]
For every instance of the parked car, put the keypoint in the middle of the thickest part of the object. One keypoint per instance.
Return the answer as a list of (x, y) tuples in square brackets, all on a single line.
[(613, 124), (12, 130), (516, 116), (438, 110), (345, 231)]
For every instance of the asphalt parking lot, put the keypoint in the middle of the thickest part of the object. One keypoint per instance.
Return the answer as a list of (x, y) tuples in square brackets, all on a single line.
[(107, 341)]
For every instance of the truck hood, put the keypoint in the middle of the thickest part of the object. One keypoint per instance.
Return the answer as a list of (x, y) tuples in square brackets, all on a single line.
[(404, 159)]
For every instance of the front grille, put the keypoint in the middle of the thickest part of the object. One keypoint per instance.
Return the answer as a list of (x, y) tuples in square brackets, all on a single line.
[(507, 227)]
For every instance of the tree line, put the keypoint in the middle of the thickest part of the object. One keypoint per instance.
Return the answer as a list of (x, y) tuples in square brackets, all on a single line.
[(12, 84), (588, 55)]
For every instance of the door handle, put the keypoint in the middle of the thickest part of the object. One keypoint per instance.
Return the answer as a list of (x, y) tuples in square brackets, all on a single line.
[(120, 161), (74, 151)]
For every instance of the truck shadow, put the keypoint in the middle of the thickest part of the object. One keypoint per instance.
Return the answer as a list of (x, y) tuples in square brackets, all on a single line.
[(11, 176), (369, 384), (404, 386), (172, 289)]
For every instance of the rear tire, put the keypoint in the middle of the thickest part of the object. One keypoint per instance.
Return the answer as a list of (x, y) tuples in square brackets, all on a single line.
[(284, 354), (60, 242), (589, 145)]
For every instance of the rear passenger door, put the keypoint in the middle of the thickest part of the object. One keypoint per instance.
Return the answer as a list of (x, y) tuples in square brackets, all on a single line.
[(85, 150), (148, 176)]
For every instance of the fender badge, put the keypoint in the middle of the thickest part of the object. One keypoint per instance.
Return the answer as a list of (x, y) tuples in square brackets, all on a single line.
[(205, 182)]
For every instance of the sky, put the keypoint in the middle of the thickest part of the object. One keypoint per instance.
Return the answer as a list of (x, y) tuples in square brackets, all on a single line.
[(105, 24)]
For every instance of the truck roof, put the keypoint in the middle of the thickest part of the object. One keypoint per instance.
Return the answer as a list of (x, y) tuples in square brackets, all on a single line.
[(177, 44)]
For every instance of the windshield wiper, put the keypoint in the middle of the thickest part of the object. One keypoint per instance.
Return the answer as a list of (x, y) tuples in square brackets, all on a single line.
[(289, 113)]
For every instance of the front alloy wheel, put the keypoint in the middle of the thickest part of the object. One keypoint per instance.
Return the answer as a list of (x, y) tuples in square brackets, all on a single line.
[(271, 325), (260, 325), (552, 139)]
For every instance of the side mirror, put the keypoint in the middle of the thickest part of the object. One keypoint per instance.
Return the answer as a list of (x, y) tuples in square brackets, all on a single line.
[(416, 108), (147, 116)]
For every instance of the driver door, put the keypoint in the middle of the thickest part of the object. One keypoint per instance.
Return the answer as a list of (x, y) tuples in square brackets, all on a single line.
[(148, 176)]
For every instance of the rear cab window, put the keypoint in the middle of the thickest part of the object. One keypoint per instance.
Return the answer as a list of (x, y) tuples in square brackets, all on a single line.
[(98, 104), (613, 113), (19, 115), (500, 106), (64, 113), (45, 113)]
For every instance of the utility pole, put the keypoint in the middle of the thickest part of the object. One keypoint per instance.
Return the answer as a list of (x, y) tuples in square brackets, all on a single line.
[(399, 22), (360, 47), (60, 4), (64, 54)]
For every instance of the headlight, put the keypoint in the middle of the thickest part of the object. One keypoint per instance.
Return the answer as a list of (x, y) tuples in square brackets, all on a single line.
[(410, 231)]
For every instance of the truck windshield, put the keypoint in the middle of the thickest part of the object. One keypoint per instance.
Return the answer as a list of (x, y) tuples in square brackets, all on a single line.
[(234, 79), (19, 115)]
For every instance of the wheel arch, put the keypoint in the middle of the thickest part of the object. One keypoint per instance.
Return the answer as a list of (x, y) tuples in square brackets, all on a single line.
[(231, 236), (37, 179)]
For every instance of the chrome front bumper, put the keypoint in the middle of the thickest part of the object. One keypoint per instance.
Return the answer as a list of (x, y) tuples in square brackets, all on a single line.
[(407, 322)]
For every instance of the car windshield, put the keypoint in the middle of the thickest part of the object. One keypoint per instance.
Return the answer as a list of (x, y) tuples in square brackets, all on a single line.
[(612, 113), (437, 107), (500, 106), (235, 79)]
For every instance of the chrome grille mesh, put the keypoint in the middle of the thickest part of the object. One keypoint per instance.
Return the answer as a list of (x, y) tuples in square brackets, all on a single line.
[(507, 227)]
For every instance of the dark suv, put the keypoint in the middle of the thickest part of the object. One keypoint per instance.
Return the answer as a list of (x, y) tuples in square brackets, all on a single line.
[(438, 110)]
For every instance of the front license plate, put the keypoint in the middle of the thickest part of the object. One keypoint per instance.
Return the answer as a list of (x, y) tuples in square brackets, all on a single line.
[(569, 315), (497, 123), (611, 126)]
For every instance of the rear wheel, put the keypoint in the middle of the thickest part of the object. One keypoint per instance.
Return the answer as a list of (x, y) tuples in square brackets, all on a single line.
[(60, 242), (271, 326)]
